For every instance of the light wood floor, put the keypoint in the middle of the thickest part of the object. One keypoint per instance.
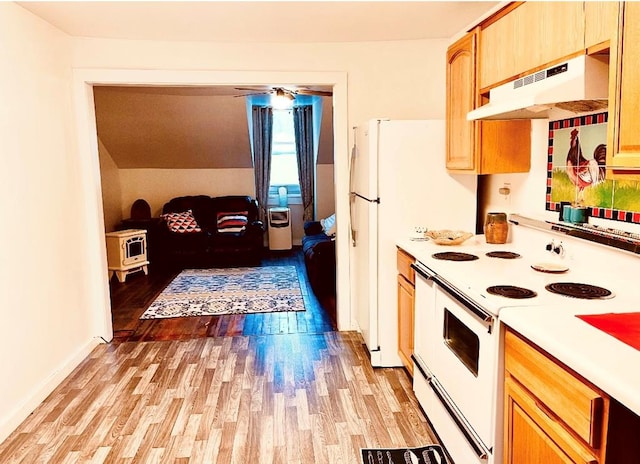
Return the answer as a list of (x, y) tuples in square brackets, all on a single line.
[(291, 398), (223, 389)]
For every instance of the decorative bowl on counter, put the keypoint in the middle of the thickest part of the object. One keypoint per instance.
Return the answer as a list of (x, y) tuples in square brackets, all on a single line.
[(448, 237)]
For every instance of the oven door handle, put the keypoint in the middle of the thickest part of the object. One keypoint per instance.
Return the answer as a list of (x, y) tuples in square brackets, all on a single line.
[(480, 313), (423, 270), (476, 310), (472, 437)]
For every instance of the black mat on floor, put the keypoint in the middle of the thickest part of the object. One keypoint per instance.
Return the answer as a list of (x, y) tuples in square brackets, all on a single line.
[(430, 454)]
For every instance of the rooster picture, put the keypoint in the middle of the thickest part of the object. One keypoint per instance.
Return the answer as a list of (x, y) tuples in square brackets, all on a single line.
[(583, 172)]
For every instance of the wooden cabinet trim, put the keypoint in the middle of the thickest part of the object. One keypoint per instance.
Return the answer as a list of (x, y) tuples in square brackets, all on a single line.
[(498, 15), (403, 262)]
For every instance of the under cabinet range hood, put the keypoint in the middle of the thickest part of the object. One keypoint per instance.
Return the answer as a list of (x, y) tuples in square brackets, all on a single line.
[(578, 85)]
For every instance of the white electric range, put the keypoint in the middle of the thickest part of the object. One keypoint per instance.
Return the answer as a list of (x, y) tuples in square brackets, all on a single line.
[(457, 346)]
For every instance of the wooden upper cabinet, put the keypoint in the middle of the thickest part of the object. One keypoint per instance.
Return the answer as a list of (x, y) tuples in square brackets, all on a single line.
[(623, 147), (498, 51), (479, 147), (560, 30), (600, 23), (529, 37), (461, 96)]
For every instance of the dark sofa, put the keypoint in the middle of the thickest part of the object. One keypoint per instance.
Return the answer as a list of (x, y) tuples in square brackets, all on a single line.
[(320, 260), (226, 232)]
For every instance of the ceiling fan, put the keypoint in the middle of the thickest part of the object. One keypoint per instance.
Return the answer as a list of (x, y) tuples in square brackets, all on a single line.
[(283, 92)]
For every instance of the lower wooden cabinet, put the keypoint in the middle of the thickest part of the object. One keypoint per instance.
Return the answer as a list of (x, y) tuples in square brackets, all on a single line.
[(551, 414), (406, 299), (533, 436)]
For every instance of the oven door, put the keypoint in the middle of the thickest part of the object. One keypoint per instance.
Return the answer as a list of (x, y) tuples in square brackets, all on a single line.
[(463, 359)]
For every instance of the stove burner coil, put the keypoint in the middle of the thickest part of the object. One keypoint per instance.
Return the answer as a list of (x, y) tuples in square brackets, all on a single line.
[(503, 254), (581, 291), (511, 291), (454, 256)]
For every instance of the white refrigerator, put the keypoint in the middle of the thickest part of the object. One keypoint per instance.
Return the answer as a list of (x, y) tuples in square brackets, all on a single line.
[(398, 182)]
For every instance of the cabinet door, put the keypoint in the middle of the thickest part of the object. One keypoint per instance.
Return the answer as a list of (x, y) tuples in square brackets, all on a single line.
[(533, 437), (497, 60), (461, 95), (479, 147), (600, 22), (406, 297), (561, 31), (529, 37), (623, 149)]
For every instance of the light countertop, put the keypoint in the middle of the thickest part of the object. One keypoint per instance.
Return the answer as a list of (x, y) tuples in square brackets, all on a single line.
[(608, 363)]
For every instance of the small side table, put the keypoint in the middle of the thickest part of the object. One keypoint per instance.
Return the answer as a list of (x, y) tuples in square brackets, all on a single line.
[(127, 252)]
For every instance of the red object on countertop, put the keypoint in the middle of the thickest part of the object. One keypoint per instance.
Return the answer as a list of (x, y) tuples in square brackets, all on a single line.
[(623, 326)]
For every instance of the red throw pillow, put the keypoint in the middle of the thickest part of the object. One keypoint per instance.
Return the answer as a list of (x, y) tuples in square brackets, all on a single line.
[(182, 223)]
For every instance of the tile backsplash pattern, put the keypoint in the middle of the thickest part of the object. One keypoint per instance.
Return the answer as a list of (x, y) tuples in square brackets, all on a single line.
[(576, 168)]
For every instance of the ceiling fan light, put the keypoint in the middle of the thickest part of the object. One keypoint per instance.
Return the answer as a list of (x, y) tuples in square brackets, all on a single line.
[(282, 100)]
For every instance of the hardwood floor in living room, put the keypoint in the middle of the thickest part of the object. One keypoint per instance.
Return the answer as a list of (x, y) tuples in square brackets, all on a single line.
[(235, 390), (130, 299)]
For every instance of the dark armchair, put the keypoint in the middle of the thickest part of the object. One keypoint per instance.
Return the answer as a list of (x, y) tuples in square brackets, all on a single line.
[(319, 251)]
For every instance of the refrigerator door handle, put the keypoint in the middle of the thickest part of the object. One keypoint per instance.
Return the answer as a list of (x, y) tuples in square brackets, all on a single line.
[(370, 200)]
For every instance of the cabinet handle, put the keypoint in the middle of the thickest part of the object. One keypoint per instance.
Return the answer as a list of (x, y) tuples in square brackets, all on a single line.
[(543, 409)]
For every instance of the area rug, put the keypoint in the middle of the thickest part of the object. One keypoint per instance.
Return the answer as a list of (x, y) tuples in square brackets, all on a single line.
[(242, 290), (430, 454)]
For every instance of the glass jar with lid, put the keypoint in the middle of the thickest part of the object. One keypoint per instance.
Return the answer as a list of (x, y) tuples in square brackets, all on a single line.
[(496, 227)]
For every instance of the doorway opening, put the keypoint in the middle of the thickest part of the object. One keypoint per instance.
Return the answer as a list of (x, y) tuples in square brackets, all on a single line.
[(86, 79)]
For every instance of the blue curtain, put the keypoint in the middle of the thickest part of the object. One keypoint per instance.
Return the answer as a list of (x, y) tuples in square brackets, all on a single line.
[(303, 127), (262, 120)]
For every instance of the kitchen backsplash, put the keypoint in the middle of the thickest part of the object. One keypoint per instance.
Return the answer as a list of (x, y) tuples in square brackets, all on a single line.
[(576, 171)]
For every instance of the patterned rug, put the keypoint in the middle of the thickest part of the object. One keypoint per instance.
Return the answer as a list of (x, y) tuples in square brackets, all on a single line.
[(242, 290), (431, 454)]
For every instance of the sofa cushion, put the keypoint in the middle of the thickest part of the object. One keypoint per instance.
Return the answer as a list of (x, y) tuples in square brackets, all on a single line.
[(182, 222), (312, 228), (329, 225), (232, 222)]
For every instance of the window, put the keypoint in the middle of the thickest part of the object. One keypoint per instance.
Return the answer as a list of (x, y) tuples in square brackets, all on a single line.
[(284, 164)]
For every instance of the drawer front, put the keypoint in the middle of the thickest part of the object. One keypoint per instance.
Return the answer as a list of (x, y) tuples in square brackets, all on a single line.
[(580, 406), (532, 436), (405, 260)]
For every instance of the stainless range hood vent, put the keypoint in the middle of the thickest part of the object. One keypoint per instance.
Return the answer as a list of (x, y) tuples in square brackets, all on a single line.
[(530, 79), (578, 85)]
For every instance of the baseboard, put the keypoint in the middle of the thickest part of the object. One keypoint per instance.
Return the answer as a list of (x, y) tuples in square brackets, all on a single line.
[(40, 392)]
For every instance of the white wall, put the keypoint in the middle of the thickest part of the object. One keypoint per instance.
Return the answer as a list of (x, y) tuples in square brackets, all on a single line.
[(157, 186), (403, 80), (45, 309), (111, 190)]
